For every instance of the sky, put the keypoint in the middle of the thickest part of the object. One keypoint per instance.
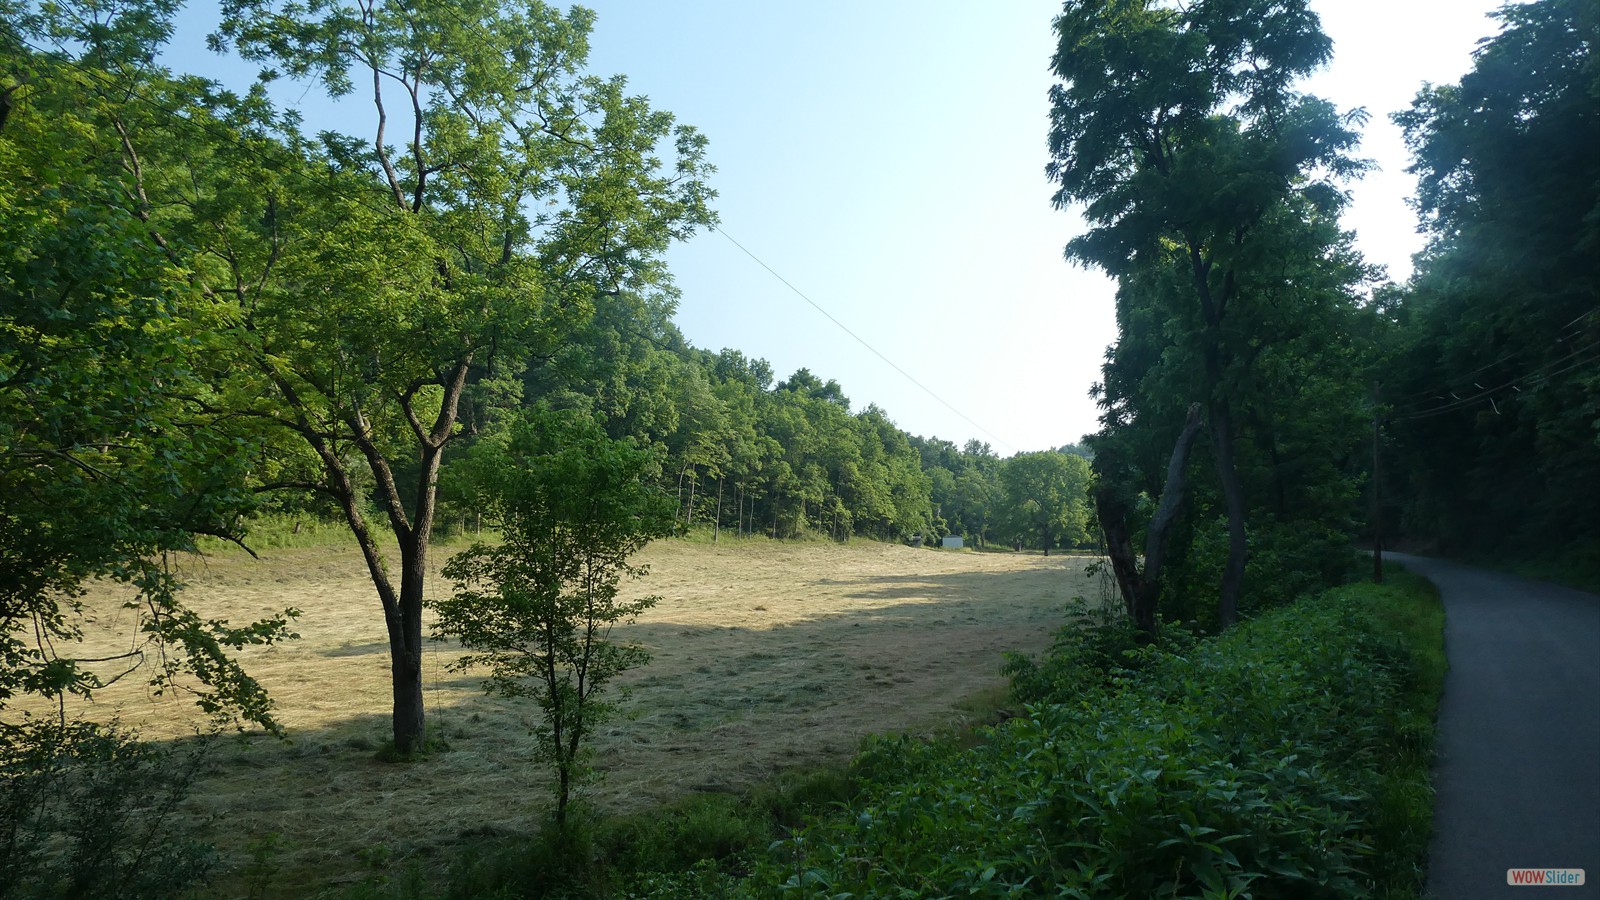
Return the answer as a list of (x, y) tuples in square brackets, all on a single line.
[(886, 159)]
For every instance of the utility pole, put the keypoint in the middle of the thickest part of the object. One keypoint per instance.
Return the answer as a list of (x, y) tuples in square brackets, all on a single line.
[(1377, 502)]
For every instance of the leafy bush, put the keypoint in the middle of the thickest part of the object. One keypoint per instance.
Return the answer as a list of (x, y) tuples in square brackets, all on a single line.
[(86, 811), (558, 862), (1256, 762), (537, 610), (1094, 649)]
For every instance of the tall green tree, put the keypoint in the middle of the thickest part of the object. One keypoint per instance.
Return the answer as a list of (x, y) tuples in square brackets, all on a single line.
[(1208, 184), (105, 465), (106, 470), (1047, 499), (372, 283)]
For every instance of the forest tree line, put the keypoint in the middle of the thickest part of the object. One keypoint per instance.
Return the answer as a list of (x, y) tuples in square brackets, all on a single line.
[(744, 452)]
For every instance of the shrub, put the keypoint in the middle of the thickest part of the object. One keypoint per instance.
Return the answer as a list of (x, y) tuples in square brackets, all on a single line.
[(86, 811), (537, 610), (1286, 561), (1093, 650)]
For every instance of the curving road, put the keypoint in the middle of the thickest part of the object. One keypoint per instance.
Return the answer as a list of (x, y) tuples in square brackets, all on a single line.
[(1518, 771)]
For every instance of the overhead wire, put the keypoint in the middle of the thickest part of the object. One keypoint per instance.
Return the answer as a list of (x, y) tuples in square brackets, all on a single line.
[(1563, 334), (842, 327), (1531, 378), (860, 340)]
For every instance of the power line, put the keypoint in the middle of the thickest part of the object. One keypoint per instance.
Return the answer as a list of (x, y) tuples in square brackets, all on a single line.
[(862, 341), (1512, 383), (1564, 333), (1533, 378)]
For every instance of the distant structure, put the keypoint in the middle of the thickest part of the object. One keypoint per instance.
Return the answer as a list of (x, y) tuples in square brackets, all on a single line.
[(952, 542)]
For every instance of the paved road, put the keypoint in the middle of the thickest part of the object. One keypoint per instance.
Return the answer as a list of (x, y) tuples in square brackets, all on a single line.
[(1518, 773)]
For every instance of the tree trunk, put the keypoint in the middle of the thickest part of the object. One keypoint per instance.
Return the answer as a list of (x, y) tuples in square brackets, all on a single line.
[(402, 613), (1142, 590), (1156, 538), (405, 645), (679, 508), (1124, 562), (716, 527), (563, 792), (1213, 309), (1233, 496), (689, 521), (1377, 496)]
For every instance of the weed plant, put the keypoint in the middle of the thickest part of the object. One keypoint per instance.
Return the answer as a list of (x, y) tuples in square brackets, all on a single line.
[(699, 848)]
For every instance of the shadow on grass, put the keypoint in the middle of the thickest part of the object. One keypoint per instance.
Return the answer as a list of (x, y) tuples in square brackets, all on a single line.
[(721, 708)]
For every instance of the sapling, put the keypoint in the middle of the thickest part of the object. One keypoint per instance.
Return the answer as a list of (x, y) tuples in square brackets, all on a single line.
[(537, 609)]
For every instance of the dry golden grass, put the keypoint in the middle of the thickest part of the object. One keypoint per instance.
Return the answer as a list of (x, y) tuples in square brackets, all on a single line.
[(767, 656)]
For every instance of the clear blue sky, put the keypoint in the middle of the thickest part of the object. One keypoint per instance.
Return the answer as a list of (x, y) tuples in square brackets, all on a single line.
[(887, 159)]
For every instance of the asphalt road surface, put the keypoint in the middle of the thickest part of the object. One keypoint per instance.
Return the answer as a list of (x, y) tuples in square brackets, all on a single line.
[(1518, 771)]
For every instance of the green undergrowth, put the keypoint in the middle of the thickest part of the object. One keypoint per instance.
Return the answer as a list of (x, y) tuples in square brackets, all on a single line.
[(698, 847), (1288, 757), (279, 531), (705, 535)]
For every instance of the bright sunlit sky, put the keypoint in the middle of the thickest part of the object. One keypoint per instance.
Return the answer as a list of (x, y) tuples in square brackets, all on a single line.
[(887, 159)]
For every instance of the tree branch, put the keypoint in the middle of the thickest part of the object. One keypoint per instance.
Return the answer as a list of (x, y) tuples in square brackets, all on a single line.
[(229, 537), (388, 490), (383, 119)]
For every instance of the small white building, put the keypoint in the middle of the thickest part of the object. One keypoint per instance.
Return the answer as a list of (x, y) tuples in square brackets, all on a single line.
[(952, 542)]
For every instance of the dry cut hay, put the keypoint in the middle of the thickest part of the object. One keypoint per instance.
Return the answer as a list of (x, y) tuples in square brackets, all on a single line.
[(767, 656)]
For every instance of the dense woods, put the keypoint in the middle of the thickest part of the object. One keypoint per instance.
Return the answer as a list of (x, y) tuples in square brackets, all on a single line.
[(1213, 191), (209, 317), (1492, 383)]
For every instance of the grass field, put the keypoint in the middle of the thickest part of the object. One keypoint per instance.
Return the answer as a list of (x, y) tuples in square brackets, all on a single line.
[(767, 656)]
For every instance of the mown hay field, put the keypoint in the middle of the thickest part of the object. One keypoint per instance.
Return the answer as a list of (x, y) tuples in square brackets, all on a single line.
[(767, 657)]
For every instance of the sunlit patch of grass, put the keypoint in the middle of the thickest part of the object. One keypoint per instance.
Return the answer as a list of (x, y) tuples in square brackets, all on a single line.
[(762, 655)]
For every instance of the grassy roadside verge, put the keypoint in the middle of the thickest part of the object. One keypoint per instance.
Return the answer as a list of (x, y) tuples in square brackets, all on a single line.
[(1409, 606), (1287, 758)]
